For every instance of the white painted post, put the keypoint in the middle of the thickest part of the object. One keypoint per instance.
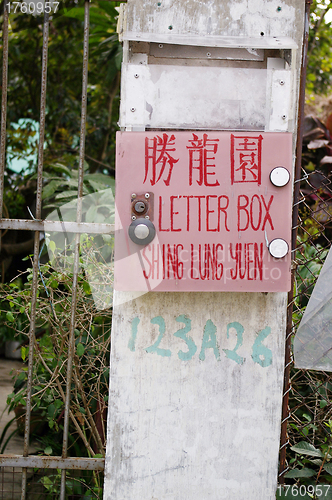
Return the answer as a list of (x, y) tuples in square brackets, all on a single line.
[(196, 376)]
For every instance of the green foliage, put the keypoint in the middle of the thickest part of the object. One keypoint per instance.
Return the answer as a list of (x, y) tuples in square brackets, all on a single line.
[(312, 466), (64, 86), (91, 364), (13, 317), (320, 52)]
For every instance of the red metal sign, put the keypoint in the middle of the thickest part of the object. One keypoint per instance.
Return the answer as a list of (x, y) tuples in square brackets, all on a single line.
[(216, 213)]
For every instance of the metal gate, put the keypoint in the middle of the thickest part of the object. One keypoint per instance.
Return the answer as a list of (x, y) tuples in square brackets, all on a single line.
[(26, 466), (58, 469)]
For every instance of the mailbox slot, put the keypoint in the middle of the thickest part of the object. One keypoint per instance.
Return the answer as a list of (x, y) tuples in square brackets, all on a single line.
[(240, 88)]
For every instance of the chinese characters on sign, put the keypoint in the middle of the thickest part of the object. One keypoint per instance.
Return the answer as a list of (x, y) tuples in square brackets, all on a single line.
[(157, 158), (246, 159), (215, 210)]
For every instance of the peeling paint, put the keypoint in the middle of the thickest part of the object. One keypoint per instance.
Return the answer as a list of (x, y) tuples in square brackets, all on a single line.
[(202, 422)]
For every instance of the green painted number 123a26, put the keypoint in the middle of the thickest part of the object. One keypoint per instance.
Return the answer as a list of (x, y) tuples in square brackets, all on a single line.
[(260, 354)]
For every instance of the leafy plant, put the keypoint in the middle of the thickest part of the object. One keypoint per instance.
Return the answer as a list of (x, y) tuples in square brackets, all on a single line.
[(91, 364), (313, 468)]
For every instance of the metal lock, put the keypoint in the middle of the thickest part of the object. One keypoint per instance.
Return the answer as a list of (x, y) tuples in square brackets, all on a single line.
[(141, 230)]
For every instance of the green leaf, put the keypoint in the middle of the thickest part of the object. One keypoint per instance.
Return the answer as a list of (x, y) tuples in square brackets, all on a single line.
[(108, 238), (66, 194), (103, 179), (316, 461), (80, 350), (58, 167), (305, 472), (107, 7), (51, 246), (91, 214), (118, 58), (48, 450), (328, 468), (304, 448), (23, 352), (51, 410), (96, 16), (51, 187), (10, 316)]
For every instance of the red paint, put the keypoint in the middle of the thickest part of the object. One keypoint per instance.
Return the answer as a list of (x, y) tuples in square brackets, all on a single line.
[(222, 210), (202, 158), (157, 158), (172, 198), (173, 263), (267, 217), (255, 211), (188, 209), (214, 207), (248, 261), (199, 198), (160, 211), (153, 262), (242, 203), (207, 265), (246, 159), (208, 212), (250, 212)]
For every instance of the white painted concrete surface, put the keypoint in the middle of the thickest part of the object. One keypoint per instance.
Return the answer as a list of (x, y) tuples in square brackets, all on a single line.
[(195, 414), (202, 428)]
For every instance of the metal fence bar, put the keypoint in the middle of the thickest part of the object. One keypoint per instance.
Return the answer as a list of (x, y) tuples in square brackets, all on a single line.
[(288, 355), (52, 462), (57, 226), (36, 247), (71, 339), (3, 104)]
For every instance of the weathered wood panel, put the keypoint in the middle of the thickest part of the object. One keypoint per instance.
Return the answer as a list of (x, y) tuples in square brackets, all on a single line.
[(245, 18)]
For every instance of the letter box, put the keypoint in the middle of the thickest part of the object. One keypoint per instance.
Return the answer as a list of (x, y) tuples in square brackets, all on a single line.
[(205, 206)]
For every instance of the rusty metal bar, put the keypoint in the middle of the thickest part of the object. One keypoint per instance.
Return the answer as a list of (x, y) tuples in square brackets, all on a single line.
[(52, 462), (3, 103), (36, 246), (71, 340), (57, 226), (288, 360)]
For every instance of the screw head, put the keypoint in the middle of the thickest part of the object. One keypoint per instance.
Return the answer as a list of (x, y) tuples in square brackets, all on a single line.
[(133, 195), (284, 117), (133, 217), (170, 27), (208, 54), (282, 82), (147, 195), (161, 46), (147, 217), (136, 75), (133, 110), (278, 9)]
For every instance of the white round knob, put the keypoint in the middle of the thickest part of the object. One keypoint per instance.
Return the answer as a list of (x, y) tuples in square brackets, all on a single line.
[(278, 248), (279, 176), (141, 231)]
